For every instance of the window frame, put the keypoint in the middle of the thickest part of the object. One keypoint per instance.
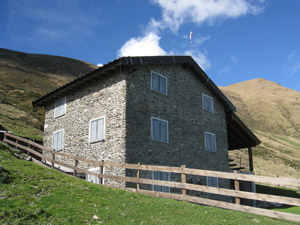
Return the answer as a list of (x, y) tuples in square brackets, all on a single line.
[(169, 174), (62, 139), (90, 130), (212, 103), (217, 181), (159, 75), (152, 129), (64, 105), (205, 141)]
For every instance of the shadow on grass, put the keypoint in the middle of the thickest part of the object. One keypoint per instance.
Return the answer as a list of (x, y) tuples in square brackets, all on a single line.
[(280, 191)]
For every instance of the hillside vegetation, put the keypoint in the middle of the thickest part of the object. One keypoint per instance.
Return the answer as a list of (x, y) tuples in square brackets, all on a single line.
[(272, 112), (26, 77), (31, 194)]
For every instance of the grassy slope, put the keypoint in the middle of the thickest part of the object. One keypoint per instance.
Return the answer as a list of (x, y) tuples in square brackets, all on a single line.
[(272, 112), (26, 77), (37, 195)]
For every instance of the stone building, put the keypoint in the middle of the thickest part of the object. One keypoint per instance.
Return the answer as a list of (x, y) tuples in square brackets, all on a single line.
[(160, 110)]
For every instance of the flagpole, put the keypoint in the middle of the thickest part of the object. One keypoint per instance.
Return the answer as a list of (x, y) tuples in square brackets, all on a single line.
[(191, 35)]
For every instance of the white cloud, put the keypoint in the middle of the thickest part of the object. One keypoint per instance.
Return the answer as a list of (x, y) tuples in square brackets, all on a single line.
[(200, 58), (57, 21), (226, 69), (177, 12), (142, 46), (232, 61), (99, 64), (292, 64), (200, 40)]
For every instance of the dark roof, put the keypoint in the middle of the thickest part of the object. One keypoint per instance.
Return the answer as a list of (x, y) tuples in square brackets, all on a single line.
[(131, 62), (238, 134)]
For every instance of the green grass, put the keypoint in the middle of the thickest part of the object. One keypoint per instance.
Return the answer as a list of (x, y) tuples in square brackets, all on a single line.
[(37, 195), (294, 144)]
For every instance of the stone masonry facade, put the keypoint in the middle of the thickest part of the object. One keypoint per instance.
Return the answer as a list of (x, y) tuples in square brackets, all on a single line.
[(104, 98), (187, 122), (128, 103)]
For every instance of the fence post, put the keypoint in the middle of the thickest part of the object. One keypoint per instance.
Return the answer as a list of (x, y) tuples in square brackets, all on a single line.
[(138, 176), (237, 188), (28, 153), (101, 172), (52, 163), (183, 180), (75, 164)]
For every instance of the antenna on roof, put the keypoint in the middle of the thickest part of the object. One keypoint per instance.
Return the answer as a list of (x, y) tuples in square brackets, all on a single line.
[(191, 36)]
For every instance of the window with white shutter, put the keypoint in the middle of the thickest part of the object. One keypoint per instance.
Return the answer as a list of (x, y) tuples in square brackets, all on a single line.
[(97, 129), (159, 130), (159, 83), (57, 142), (210, 142), (208, 103), (60, 107), (157, 175), (212, 181)]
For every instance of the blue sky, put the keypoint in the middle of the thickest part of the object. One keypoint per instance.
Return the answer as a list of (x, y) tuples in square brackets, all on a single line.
[(233, 40)]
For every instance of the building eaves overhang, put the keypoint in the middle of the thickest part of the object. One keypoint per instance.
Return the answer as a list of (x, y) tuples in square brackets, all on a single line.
[(238, 134), (127, 62)]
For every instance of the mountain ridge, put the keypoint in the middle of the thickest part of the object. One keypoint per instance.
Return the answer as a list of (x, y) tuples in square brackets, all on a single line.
[(24, 77), (270, 110)]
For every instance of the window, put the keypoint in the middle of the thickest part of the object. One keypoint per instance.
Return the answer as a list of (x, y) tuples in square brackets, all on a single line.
[(92, 178), (212, 181), (159, 130), (157, 175), (210, 142), (208, 103), (97, 129), (57, 143), (158, 83), (60, 107)]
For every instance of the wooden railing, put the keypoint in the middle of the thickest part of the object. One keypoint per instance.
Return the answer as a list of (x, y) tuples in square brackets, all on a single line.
[(27, 145)]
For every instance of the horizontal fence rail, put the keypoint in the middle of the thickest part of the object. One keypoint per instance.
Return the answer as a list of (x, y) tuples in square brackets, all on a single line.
[(237, 194)]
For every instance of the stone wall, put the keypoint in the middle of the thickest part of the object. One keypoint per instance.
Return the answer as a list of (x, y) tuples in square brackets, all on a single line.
[(128, 103), (187, 121), (106, 97)]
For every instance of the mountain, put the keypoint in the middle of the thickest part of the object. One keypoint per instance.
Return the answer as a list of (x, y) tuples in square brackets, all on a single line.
[(25, 77), (272, 112)]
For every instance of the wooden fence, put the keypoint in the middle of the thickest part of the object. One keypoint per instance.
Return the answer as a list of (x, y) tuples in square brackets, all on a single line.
[(30, 146)]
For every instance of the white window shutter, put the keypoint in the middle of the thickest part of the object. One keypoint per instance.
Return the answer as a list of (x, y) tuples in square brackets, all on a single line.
[(55, 141), (157, 176), (163, 131), (93, 131), (213, 143), (162, 85), (207, 141), (209, 181), (165, 177), (210, 104), (59, 140), (215, 182), (155, 82), (156, 130), (100, 129)]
